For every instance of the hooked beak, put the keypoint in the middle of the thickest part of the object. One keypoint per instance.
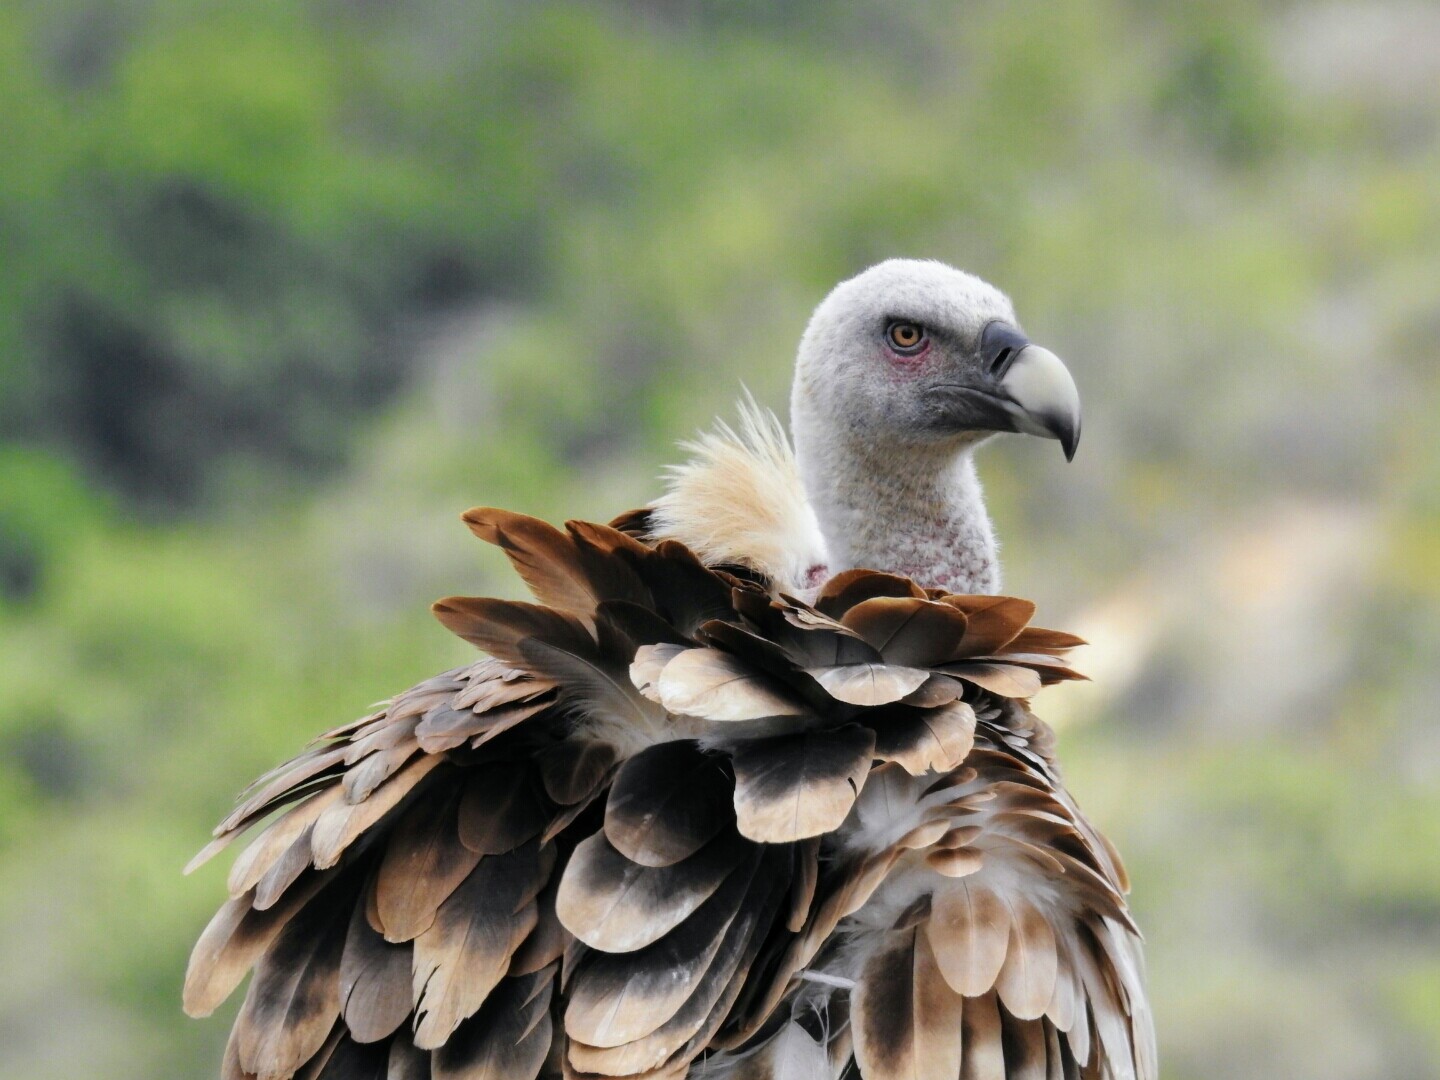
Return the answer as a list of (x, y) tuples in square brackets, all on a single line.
[(1042, 397), (1018, 387)]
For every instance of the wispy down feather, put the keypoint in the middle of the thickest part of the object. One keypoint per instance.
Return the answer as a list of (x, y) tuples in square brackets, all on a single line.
[(739, 501)]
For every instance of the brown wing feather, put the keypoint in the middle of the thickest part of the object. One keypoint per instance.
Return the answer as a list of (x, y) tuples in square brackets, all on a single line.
[(406, 1062), (501, 807), (790, 787), (234, 940), (716, 986), (499, 626), (992, 621), (906, 1018), (508, 1039), (616, 905), (908, 631), (1027, 981), (667, 802), (616, 999), (543, 556), (969, 930), (572, 571), (983, 1038), (423, 863), (294, 998), (466, 951), (340, 824), (375, 996)]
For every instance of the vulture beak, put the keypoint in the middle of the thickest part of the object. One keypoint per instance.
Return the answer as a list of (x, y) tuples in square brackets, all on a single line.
[(1033, 387), (1018, 387), (1043, 398)]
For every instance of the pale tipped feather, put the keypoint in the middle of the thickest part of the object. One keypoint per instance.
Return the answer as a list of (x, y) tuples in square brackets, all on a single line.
[(739, 500)]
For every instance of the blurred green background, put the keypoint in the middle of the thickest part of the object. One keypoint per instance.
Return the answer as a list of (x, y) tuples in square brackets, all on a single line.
[(284, 287)]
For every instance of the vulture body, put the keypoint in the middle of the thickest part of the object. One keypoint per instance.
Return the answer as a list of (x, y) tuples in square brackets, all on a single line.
[(747, 791)]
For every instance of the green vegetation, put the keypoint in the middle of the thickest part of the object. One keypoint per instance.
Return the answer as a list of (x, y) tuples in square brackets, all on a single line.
[(286, 286)]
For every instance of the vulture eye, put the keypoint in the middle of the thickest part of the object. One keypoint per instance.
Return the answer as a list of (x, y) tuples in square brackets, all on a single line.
[(905, 337)]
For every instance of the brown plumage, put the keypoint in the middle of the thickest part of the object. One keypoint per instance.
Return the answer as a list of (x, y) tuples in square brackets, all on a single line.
[(708, 858), (693, 814)]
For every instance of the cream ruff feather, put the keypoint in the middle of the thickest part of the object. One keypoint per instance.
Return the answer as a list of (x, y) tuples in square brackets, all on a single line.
[(739, 501)]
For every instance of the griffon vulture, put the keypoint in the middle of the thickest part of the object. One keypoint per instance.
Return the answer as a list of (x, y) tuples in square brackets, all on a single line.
[(751, 790)]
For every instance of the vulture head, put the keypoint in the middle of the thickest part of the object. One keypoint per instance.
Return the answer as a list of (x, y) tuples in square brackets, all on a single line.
[(913, 354), (901, 372)]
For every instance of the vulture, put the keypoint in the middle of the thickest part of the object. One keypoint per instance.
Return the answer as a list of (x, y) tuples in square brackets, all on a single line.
[(752, 790)]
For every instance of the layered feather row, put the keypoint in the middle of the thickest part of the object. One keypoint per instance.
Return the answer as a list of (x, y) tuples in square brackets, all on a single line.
[(679, 822)]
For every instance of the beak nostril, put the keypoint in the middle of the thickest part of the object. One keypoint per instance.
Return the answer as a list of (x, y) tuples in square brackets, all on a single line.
[(998, 364)]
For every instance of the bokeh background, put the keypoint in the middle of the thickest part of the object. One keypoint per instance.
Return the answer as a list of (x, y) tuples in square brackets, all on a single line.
[(284, 287)]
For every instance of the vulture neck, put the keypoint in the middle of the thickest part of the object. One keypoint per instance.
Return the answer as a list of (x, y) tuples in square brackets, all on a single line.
[(916, 511)]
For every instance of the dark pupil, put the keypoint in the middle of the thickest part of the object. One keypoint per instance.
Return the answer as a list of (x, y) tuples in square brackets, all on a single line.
[(906, 335)]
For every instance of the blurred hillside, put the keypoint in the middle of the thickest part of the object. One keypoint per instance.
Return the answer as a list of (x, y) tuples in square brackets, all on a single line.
[(287, 286)]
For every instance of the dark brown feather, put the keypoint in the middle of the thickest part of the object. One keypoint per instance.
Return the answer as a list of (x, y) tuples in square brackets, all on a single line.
[(500, 626), (351, 1060), (466, 951), (338, 826), (802, 886), (635, 625), (508, 1039), (845, 590), (502, 806), (423, 862), (1025, 1047), (294, 997), (571, 571), (789, 787), (924, 740), (683, 592), (572, 770), (234, 940), (542, 555), (406, 1062), (688, 1024), (983, 1039), (375, 995), (908, 631), (616, 999), (616, 905), (1007, 680), (666, 802), (994, 621), (546, 943), (1037, 639), (906, 1018)]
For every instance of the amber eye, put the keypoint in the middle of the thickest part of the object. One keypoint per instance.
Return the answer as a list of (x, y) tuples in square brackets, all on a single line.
[(905, 337)]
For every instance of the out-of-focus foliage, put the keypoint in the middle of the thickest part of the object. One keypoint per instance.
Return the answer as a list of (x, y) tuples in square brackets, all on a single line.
[(285, 286)]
